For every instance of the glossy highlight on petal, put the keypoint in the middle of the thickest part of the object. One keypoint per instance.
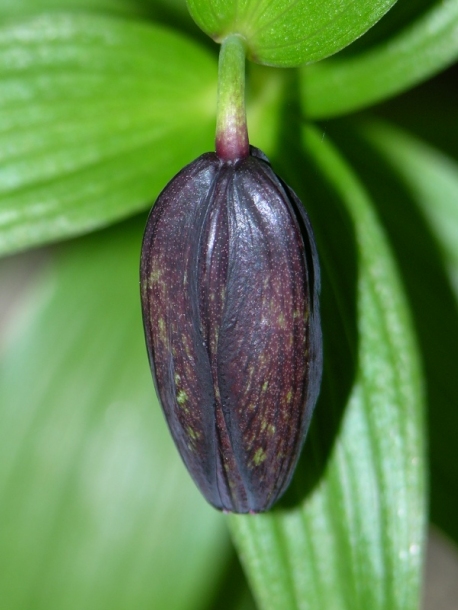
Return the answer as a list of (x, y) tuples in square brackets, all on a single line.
[(230, 284)]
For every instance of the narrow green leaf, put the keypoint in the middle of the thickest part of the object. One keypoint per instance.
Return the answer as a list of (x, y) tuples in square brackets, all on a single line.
[(289, 32), (349, 533), (96, 509), (19, 8), (427, 46), (433, 179), (96, 115), (422, 215), (438, 127)]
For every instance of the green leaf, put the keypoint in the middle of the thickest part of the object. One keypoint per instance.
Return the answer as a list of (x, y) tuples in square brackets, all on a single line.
[(156, 8), (97, 511), (400, 16), (96, 115), (289, 32), (349, 533), (425, 47), (432, 177), (12, 8), (421, 212), (438, 126)]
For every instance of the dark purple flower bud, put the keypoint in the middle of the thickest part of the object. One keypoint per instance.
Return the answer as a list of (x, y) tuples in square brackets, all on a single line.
[(230, 283)]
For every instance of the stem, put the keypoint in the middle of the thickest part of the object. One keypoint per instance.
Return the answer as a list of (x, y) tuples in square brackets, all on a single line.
[(231, 130)]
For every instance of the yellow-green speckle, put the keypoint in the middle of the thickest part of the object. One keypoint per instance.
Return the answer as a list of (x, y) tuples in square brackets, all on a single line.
[(154, 277), (192, 433), (186, 347), (259, 456), (182, 397), (162, 331), (289, 397), (265, 385)]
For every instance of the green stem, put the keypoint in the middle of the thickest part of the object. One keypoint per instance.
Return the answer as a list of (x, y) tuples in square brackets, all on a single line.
[(231, 130)]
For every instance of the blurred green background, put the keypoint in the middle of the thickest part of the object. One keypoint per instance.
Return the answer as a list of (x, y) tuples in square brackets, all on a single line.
[(101, 103)]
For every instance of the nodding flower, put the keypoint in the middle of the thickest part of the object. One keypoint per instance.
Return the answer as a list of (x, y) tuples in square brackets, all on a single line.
[(230, 286)]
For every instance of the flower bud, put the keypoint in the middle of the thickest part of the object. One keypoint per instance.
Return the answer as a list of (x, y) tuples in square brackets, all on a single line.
[(230, 284)]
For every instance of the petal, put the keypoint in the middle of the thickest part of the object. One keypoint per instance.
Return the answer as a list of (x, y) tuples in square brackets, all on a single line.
[(177, 353), (265, 336)]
